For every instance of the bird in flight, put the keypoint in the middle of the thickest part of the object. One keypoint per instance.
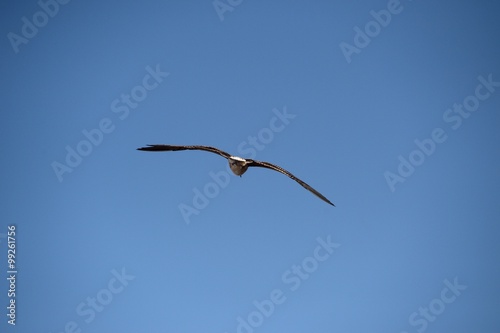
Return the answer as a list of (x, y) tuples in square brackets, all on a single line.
[(237, 164)]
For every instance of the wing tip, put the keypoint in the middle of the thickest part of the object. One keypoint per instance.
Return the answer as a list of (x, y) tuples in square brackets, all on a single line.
[(146, 148), (328, 201)]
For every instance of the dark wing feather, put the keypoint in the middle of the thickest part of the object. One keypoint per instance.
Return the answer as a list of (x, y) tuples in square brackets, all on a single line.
[(283, 171), (175, 148)]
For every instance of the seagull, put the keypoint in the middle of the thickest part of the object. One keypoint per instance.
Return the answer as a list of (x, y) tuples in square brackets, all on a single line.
[(237, 164)]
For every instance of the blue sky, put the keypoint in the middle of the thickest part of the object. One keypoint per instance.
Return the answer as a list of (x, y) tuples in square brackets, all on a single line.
[(390, 109)]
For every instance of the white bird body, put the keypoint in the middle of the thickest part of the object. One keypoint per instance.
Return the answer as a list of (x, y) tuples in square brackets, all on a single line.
[(238, 165)]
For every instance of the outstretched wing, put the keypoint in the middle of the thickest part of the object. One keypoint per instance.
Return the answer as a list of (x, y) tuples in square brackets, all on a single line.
[(283, 171), (175, 148)]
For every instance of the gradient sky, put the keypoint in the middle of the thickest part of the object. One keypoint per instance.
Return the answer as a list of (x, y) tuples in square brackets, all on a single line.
[(390, 109)]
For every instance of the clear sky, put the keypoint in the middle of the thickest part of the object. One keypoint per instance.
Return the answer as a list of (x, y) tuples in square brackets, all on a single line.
[(390, 109)]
